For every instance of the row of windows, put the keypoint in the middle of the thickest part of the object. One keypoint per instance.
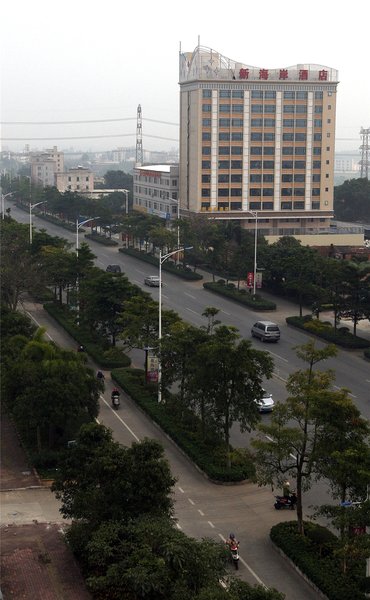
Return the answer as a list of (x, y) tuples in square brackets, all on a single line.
[(267, 94), (257, 192), (265, 178), (267, 122), (258, 136), (261, 108), (265, 164), (284, 205), (265, 150)]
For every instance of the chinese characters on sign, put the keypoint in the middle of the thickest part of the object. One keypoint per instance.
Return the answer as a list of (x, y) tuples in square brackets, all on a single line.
[(152, 369), (250, 279), (264, 74)]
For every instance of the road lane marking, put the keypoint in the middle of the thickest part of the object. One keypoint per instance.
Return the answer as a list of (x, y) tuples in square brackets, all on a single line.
[(178, 526), (191, 501), (192, 311), (190, 296), (247, 567), (120, 419), (278, 356), (338, 387), (201, 512), (279, 377), (181, 490), (226, 313), (38, 324), (211, 524)]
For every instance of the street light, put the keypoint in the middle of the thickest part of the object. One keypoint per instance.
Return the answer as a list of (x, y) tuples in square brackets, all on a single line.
[(78, 225), (254, 213), (32, 206), (3, 204), (162, 259), (126, 194)]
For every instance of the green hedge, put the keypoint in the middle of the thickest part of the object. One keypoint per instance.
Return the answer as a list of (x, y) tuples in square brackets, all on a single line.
[(166, 266), (184, 428), (242, 296), (367, 353), (98, 348), (101, 239), (326, 331), (314, 555)]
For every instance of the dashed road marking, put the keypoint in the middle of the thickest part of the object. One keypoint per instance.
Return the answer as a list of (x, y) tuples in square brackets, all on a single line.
[(190, 296), (120, 419), (191, 501), (192, 311), (201, 512), (181, 490), (211, 524)]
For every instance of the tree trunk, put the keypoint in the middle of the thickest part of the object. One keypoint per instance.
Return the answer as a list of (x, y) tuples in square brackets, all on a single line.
[(299, 505)]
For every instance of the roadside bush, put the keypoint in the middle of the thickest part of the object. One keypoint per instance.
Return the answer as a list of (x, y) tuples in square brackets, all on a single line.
[(184, 428), (255, 302), (326, 331), (322, 568), (101, 239), (168, 266)]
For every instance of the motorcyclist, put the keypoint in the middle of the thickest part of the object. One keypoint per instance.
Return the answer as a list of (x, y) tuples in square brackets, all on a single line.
[(115, 393), (81, 348), (232, 542), (100, 376)]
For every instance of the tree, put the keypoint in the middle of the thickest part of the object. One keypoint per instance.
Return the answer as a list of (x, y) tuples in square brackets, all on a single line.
[(118, 180), (352, 200), (100, 480), (226, 378), (356, 292), (210, 313), (288, 446)]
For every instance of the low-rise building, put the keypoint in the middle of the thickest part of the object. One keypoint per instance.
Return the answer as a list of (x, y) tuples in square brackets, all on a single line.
[(77, 179), (156, 190)]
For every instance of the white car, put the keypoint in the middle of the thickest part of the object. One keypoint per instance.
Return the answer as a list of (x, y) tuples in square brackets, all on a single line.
[(152, 281), (266, 403)]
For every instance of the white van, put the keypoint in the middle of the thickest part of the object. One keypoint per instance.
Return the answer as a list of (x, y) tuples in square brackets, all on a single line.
[(266, 331)]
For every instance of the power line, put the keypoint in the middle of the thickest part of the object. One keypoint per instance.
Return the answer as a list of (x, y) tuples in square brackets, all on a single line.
[(83, 137), (85, 121)]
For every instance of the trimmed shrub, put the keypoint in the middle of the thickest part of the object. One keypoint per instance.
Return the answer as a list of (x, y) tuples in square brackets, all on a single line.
[(101, 239), (314, 554), (168, 266), (255, 302), (326, 331)]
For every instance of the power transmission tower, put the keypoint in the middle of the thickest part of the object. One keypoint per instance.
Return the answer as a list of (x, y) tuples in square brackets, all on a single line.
[(364, 162), (139, 138)]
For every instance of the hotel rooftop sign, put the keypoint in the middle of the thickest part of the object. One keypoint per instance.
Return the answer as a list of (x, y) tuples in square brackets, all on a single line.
[(205, 63)]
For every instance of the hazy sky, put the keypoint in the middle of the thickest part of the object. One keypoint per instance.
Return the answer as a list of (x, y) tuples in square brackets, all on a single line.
[(88, 60)]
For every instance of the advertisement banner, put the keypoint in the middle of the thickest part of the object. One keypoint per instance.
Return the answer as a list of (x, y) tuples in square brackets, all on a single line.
[(258, 280), (250, 279), (152, 371)]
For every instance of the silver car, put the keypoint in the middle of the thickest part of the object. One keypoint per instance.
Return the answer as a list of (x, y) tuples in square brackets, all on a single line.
[(266, 331), (266, 403), (152, 281)]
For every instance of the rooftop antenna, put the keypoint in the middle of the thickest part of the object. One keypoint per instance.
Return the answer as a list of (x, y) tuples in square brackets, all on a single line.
[(139, 138), (364, 162)]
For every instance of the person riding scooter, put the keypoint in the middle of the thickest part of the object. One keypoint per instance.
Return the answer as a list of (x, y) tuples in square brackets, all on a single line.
[(115, 398), (233, 546)]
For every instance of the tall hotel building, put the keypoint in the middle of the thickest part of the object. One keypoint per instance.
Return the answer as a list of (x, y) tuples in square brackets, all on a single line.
[(257, 139)]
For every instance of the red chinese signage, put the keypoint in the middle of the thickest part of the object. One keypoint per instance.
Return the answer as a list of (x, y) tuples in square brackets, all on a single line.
[(250, 278), (283, 74)]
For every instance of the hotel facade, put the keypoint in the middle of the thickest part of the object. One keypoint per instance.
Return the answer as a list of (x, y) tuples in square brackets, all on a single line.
[(257, 141)]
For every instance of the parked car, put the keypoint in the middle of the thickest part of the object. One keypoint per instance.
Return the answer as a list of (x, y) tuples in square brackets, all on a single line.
[(266, 331), (113, 269), (266, 403), (152, 281)]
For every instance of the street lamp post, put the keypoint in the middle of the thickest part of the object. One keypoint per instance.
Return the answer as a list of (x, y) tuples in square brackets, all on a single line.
[(254, 213), (126, 205), (162, 259), (78, 225), (32, 206), (3, 203)]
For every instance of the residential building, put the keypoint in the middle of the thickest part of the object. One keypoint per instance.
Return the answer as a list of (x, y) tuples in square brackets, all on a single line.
[(77, 179), (257, 140), (156, 190), (45, 165)]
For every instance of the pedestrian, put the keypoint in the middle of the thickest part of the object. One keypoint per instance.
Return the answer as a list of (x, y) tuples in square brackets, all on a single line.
[(286, 489)]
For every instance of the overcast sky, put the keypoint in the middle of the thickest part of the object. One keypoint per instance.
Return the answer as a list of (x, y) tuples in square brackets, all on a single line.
[(80, 60)]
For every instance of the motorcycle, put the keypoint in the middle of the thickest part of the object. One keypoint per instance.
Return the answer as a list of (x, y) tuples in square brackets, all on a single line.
[(234, 551), (115, 401), (286, 501)]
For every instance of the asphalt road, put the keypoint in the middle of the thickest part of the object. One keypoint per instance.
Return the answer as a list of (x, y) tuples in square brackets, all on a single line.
[(202, 508)]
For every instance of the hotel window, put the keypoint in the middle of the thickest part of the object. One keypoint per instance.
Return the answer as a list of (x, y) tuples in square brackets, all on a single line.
[(224, 164), (257, 108), (316, 164), (224, 136), (223, 192), (236, 164), (299, 164), (316, 150), (206, 164), (317, 137), (270, 108), (327, 148), (257, 94), (298, 205), (223, 150), (288, 95), (316, 191), (236, 150), (87, 179), (268, 164), (256, 122), (207, 93), (255, 178), (301, 108), (224, 108), (300, 137), (206, 178), (238, 94), (206, 136), (237, 122), (288, 122), (316, 205), (316, 177), (267, 205), (287, 178), (270, 95), (206, 150), (255, 205), (269, 150), (287, 164), (236, 192), (301, 95), (287, 150), (299, 191), (268, 178), (328, 121), (286, 192), (299, 177), (318, 95), (288, 137), (206, 122), (237, 108), (301, 122), (224, 122), (318, 109), (268, 192), (223, 178), (256, 164), (206, 107), (288, 108), (299, 151), (256, 150), (206, 193), (317, 123), (235, 205), (254, 192), (225, 94), (236, 178), (269, 137), (269, 122), (237, 136), (256, 136)]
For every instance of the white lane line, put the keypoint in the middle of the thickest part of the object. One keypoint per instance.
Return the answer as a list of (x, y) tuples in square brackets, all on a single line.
[(270, 439), (226, 313), (192, 311), (164, 296), (191, 501), (248, 567), (119, 418), (279, 377), (222, 537), (190, 296), (181, 490), (349, 393), (178, 526), (367, 380), (201, 512), (38, 324), (211, 524), (278, 356)]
